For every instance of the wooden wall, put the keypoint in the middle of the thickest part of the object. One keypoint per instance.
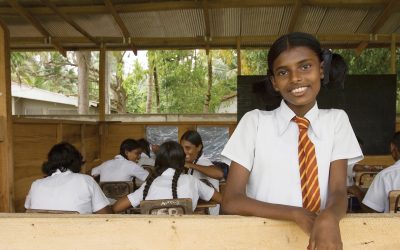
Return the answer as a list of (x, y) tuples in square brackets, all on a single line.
[(33, 140), (365, 231)]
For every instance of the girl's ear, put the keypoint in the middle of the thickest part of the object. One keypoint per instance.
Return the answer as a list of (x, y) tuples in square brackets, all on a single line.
[(321, 70)]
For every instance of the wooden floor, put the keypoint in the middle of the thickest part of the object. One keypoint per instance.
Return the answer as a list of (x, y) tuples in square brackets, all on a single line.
[(35, 231)]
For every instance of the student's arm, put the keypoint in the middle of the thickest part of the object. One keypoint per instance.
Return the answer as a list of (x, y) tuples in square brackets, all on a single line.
[(210, 171), (359, 194), (217, 197), (235, 201), (121, 205), (104, 210), (326, 232)]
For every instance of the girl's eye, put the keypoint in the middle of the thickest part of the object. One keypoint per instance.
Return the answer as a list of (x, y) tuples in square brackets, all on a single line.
[(305, 66), (281, 73)]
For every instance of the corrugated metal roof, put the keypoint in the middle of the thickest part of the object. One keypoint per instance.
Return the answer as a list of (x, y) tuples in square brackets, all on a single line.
[(171, 24)]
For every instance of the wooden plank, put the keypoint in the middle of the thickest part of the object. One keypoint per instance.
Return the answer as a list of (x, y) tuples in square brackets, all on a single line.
[(385, 160), (6, 142), (295, 14), (223, 232)]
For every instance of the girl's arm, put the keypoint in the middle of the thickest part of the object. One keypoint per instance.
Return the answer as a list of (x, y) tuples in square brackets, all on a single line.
[(210, 171), (104, 210), (235, 201), (217, 197), (121, 205), (326, 232)]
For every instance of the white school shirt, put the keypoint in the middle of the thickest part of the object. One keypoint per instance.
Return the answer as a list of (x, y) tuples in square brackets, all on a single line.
[(161, 188), (204, 161), (266, 144), (119, 169), (66, 191), (146, 160), (384, 182)]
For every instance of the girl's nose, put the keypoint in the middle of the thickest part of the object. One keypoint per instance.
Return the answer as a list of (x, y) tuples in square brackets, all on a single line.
[(295, 77)]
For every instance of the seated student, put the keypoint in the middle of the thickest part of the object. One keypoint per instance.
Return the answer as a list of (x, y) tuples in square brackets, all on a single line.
[(124, 166), (376, 198), (65, 188), (198, 165), (145, 157), (169, 182)]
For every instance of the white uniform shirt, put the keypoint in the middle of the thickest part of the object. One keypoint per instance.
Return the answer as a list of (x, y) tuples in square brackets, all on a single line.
[(266, 144), (161, 188), (204, 161), (146, 160), (119, 169), (66, 191), (384, 182)]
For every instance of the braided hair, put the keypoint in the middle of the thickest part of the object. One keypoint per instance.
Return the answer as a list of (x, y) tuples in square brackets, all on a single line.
[(170, 155)]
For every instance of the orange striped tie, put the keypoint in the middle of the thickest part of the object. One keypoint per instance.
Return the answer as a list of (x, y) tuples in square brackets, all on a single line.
[(308, 168)]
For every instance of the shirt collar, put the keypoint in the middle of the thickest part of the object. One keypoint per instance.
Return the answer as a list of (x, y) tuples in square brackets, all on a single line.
[(58, 172), (285, 115), (169, 172)]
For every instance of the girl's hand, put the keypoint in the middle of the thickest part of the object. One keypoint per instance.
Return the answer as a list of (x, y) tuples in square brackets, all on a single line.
[(305, 219), (325, 233), (188, 165)]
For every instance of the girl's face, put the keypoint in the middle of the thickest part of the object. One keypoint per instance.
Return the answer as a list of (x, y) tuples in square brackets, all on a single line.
[(191, 150), (297, 74), (134, 155)]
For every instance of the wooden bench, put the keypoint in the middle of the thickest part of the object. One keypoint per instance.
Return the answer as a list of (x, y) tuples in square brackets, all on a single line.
[(47, 211), (364, 178), (167, 206), (394, 201)]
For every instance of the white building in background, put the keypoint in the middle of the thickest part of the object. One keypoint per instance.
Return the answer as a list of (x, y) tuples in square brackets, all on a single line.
[(27, 100), (228, 104)]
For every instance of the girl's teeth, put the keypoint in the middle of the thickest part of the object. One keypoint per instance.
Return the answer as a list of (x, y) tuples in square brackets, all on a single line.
[(298, 90)]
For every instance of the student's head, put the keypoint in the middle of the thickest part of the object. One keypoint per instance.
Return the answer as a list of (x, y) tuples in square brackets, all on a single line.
[(145, 146), (395, 146), (297, 66), (170, 155), (63, 157), (130, 149), (192, 145)]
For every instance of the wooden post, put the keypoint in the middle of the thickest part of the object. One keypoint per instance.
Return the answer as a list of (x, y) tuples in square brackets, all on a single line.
[(102, 83), (393, 55), (239, 60), (6, 144)]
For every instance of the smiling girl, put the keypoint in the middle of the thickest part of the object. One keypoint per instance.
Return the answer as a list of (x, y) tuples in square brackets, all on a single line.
[(290, 163)]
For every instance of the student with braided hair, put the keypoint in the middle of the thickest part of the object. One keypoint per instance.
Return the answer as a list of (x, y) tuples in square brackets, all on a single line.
[(169, 181)]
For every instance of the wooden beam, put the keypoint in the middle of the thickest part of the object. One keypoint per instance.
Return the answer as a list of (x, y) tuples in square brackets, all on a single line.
[(31, 19), (295, 14), (6, 142), (206, 16), (102, 83), (239, 59), (121, 24), (383, 17), (393, 55), (358, 232), (179, 5), (360, 48), (66, 18)]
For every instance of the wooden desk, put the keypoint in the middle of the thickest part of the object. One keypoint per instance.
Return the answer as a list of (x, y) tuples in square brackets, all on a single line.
[(203, 207)]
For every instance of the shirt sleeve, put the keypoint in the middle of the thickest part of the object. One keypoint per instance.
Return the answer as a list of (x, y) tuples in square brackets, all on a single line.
[(138, 171), (136, 197), (99, 200), (376, 196), (205, 192), (241, 145), (97, 170), (345, 144)]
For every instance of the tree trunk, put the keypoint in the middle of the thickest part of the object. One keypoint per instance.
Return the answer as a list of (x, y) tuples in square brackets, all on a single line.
[(208, 95), (157, 89), (83, 61), (149, 87)]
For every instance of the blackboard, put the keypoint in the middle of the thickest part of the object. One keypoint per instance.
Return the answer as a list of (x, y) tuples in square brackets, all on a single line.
[(369, 101)]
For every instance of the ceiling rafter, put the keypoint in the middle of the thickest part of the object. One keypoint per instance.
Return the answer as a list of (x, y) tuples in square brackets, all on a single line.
[(121, 25), (31, 19), (66, 18), (207, 32), (379, 22), (296, 11)]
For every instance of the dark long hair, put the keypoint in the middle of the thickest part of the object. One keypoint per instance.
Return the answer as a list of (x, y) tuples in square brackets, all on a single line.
[(170, 155), (193, 137), (128, 145), (62, 156), (335, 68), (145, 145)]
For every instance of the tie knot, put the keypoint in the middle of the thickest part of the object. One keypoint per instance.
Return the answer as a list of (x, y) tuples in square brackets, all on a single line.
[(302, 122)]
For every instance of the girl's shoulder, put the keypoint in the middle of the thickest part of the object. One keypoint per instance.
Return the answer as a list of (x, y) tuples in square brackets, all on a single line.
[(333, 113)]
